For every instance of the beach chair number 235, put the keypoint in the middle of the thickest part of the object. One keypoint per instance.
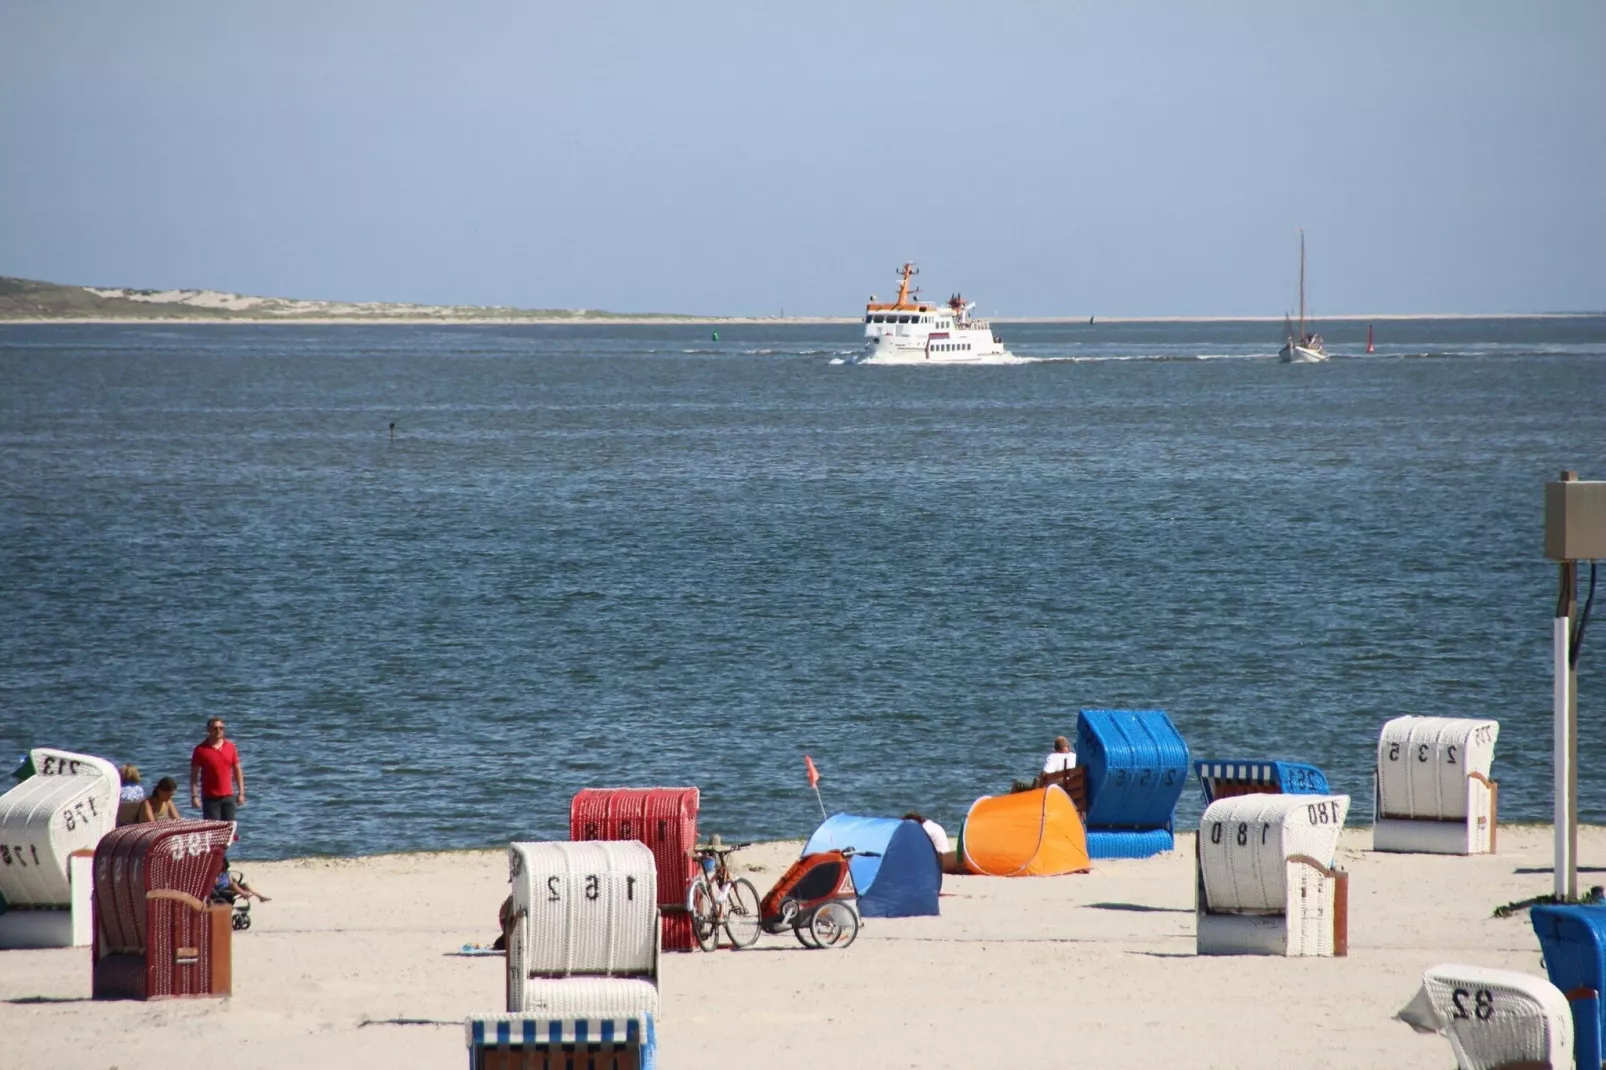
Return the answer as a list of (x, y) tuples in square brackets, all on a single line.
[(1423, 750)]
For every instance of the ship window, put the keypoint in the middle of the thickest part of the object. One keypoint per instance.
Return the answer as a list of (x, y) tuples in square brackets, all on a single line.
[(867, 317)]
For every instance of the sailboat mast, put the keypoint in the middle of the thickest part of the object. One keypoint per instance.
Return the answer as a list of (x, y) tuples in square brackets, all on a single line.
[(1302, 283)]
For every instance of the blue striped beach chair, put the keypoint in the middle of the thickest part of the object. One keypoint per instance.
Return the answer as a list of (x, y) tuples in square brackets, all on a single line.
[(1225, 779), (530, 1042)]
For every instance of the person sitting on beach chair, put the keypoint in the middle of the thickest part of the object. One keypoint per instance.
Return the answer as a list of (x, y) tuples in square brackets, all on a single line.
[(132, 795), (158, 806), (1060, 768), (1061, 758), (504, 921)]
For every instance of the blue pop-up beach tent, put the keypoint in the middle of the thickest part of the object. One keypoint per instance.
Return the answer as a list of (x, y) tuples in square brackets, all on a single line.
[(903, 876)]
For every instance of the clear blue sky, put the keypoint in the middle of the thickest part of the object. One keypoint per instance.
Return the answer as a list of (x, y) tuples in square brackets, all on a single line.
[(741, 158)]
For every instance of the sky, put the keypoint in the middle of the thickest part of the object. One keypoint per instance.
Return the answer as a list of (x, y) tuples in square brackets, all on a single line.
[(1046, 158)]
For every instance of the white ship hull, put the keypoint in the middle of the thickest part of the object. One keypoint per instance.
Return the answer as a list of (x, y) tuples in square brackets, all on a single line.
[(891, 350), (1292, 354)]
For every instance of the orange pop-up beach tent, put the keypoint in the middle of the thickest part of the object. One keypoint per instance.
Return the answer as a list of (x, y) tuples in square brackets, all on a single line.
[(1025, 834)]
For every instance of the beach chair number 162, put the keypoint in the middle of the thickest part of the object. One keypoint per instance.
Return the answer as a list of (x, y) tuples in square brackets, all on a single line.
[(593, 888)]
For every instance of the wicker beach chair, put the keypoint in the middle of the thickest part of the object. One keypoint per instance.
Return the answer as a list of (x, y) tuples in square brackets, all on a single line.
[(1434, 794), (1494, 1019), (63, 810), (1266, 881)]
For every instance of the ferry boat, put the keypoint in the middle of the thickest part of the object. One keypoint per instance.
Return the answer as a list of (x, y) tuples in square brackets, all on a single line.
[(912, 331)]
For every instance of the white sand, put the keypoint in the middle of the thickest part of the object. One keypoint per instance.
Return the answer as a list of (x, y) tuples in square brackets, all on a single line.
[(1095, 970)]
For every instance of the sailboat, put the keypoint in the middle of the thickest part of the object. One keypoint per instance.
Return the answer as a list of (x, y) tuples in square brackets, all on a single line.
[(1306, 346)]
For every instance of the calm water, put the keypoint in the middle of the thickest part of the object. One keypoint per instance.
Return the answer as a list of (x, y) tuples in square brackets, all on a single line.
[(633, 556)]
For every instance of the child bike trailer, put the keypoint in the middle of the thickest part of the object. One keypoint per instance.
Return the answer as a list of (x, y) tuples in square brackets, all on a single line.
[(815, 899)]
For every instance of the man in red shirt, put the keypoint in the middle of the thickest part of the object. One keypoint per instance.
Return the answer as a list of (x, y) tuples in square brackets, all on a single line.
[(217, 783)]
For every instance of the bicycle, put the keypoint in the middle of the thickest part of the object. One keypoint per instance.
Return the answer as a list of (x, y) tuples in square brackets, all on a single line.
[(716, 900)]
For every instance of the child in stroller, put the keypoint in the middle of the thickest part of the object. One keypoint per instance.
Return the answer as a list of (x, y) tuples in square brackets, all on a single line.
[(232, 890)]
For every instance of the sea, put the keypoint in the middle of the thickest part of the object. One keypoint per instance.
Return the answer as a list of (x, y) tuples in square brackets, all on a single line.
[(439, 578)]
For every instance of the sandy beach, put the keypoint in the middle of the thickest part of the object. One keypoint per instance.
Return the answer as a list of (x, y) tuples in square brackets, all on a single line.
[(353, 964)]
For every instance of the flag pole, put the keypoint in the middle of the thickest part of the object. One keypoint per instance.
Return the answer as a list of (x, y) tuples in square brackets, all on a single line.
[(814, 782)]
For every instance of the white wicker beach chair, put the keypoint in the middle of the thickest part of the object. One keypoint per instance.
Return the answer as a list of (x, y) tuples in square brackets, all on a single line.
[(581, 909), (1266, 882), (49, 826), (1434, 794), (1494, 1019)]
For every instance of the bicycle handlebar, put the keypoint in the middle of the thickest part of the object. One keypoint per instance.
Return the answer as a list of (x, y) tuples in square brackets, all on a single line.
[(724, 848)]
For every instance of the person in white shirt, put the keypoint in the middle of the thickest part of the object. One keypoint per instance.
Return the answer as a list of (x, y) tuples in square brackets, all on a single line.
[(1062, 757), (939, 840)]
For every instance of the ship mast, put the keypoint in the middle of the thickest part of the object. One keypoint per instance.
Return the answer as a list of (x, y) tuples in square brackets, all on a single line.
[(1302, 284), (908, 271)]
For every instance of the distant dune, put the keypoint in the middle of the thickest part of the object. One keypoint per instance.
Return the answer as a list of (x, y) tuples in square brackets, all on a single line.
[(30, 301)]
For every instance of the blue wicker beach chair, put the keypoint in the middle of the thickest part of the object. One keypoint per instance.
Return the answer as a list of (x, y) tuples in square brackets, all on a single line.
[(1573, 939)]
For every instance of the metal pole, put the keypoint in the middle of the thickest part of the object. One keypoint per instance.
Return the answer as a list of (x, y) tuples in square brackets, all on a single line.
[(1566, 871), (1566, 728), (1572, 755)]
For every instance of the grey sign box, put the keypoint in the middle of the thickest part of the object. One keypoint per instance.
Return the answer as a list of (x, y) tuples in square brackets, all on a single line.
[(1575, 520)]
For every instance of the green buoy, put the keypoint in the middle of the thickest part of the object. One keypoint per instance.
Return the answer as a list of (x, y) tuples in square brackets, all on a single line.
[(716, 336)]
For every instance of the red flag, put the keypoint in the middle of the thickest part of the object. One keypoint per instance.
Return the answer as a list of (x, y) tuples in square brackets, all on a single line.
[(814, 774)]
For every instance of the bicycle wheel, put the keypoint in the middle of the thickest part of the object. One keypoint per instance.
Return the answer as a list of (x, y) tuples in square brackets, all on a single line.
[(835, 925), (741, 913), (804, 931), (700, 904)]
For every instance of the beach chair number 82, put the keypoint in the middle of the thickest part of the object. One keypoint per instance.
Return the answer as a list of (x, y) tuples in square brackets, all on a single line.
[(1482, 1004)]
